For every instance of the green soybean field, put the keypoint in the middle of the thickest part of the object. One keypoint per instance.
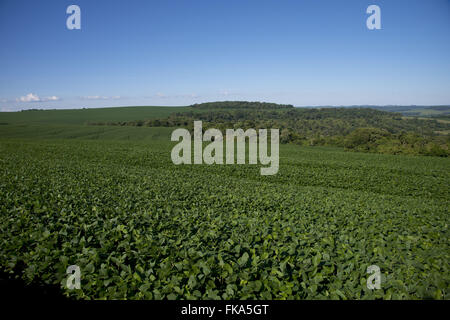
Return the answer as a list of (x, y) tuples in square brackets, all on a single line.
[(110, 200)]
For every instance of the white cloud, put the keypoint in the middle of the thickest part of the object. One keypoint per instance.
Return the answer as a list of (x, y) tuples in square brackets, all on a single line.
[(31, 97), (52, 98), (101, 98), (93, 97)]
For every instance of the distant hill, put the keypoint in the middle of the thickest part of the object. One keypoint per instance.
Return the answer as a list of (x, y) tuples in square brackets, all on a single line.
[(418, 111), (240, 105)]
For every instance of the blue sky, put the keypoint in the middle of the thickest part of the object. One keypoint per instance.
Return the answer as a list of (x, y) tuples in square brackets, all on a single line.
[(168, 52)]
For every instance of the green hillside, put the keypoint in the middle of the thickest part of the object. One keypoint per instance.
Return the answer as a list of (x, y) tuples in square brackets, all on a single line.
[(83, 132), (74, 123), (82, 116)]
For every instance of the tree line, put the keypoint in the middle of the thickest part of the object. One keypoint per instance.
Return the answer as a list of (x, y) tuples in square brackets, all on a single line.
[(358, 129)]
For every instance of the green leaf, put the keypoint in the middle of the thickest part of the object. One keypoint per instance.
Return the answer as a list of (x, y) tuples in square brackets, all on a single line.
[(243, 259)]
